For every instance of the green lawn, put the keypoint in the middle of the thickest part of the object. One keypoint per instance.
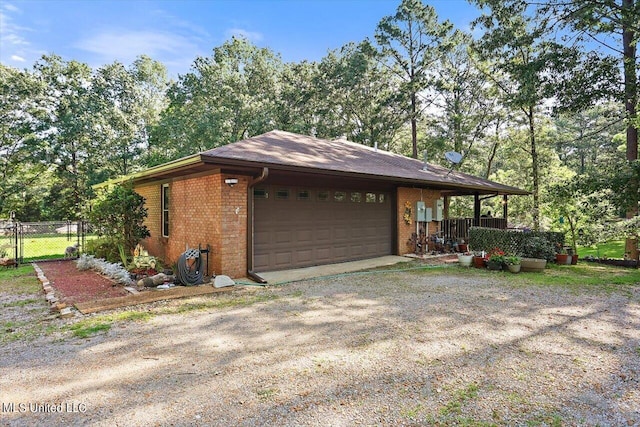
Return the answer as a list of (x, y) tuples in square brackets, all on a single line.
[(46, 246), (584, 277), (612, 249)]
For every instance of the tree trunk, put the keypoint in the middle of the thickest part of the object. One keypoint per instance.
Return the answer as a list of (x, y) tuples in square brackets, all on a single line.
[(631, 99), (534, 169), (414, 126), (492, 154)]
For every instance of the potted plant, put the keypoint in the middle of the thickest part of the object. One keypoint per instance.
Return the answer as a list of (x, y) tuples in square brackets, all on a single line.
[(536, 251), (513, 263), (465, 259), (495, 260), (562, 257), (479, 260)]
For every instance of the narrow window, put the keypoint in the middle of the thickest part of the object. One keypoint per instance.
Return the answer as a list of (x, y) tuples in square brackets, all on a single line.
[(304, 195), (165, 210), (370, 198), (339, 196), (260, 193), (381, 198), (323, 196), (356, 197), (282, 194)]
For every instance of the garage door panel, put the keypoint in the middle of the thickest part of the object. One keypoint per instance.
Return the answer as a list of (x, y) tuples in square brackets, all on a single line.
[(261, 259), (297, 233), (341, 251), (323, 255), (341, 233), (283, 258), (322, 235), (283, 236), (304, 256)]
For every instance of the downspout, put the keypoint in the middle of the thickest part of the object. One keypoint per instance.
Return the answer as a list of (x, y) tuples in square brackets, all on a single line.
[(252, 275)]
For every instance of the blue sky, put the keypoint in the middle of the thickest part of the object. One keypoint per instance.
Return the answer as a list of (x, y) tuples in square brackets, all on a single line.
[(176, 32)]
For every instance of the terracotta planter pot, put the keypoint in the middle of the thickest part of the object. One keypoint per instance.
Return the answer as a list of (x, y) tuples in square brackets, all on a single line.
[(561, 259), (465, 260), (463, 247), (574, 259), (514, 268), (478, 262), (533, 264)]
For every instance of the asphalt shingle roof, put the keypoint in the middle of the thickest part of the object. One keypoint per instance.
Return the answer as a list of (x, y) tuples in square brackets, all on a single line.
[(285, 149)]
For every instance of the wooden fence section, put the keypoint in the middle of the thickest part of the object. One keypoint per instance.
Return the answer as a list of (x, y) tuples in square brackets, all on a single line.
[(458, 228)]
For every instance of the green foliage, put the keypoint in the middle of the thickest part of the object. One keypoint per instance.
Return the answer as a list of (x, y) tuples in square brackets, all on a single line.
[(226, 97), (357, 96), (103, 248), (529, 244), (417, 84), (118, 214), (512, 260), (411, 42), (539, 247)]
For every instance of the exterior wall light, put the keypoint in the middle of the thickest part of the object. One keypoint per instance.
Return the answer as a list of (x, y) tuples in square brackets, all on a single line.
[(231, 181)]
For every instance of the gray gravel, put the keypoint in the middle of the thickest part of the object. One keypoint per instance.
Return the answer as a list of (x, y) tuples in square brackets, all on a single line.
[(386, 349)]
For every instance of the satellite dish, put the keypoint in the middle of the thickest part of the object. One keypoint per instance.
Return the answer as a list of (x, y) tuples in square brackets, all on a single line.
[(454, 158)]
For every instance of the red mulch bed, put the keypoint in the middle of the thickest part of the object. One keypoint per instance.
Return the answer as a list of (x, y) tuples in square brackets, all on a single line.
[(74, 286)]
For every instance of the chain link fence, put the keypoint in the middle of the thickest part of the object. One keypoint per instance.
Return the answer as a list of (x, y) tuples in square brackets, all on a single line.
[(22, 242), (9, 253)]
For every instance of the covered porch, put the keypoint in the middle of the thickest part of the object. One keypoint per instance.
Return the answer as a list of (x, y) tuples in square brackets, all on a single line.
[(457, 229)]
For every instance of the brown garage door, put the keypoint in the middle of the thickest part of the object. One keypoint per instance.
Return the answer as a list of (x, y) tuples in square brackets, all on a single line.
[(300, 227)]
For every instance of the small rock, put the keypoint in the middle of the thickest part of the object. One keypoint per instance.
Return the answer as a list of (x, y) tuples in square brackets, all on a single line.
[(146, 282), (58, 306), (66, 313), (223, 281)]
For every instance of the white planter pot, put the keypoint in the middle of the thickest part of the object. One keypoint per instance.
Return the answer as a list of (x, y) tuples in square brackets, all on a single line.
[(465, 260)]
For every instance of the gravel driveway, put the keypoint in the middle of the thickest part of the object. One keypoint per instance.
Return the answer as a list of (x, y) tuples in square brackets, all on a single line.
[(404, 348)]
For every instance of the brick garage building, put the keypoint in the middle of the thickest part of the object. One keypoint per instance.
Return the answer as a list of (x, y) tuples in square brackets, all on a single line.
[(282, 200)]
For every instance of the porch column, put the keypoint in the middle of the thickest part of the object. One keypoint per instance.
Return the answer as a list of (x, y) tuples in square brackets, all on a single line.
[(505, 206), (476, 210), (447, 202)]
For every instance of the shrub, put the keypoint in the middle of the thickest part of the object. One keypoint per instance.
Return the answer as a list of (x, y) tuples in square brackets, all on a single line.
[(538, 247), (118, 214), (530, 244), (103, 248)]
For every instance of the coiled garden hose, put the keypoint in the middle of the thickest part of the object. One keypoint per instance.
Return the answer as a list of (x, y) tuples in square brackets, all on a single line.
[(187, 273)]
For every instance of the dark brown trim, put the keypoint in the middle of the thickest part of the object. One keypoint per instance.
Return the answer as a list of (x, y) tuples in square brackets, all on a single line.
[(250, 221)]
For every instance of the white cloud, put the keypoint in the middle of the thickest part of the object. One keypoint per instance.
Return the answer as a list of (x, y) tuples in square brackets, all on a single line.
[(14, 45), (253, 36), (11, 33), (10, 7), (127, 45)]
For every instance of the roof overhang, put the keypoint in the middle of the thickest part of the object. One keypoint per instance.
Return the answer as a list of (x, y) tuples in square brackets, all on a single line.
[(200, 163)]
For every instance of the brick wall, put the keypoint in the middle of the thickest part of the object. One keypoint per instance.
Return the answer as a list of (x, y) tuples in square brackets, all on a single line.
[(151, 194), (233, 224), (202, 210), (412, 195)]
